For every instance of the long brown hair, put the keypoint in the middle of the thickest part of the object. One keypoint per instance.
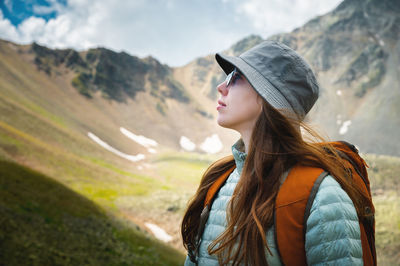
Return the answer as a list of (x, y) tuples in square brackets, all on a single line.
[(276, 145)]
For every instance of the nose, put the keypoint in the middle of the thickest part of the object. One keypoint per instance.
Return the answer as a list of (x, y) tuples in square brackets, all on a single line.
[(222, 88)]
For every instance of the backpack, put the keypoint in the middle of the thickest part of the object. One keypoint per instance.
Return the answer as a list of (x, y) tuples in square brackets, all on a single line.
[(293, 204)]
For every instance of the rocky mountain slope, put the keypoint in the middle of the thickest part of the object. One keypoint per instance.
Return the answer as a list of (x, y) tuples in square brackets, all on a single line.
[(57, 106), (355, 52), (100, 91), (114, 145)]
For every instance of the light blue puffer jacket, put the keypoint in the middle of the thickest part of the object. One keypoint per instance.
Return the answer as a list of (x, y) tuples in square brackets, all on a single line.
[(333, 232)]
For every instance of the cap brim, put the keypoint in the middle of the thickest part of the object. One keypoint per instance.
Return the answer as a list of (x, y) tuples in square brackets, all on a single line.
[(224, 63), (260, 83)]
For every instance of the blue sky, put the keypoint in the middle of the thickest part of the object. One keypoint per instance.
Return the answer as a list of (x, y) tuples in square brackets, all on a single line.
[(173, 31), (17, 11)]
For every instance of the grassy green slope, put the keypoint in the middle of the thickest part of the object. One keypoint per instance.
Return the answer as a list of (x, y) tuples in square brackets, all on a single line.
[(385, 185), (43, 125), (47, 108), (40, 128), (45, 223), (95, 177)]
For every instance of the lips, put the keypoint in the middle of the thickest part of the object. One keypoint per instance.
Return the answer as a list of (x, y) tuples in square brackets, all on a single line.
[(221, 104)]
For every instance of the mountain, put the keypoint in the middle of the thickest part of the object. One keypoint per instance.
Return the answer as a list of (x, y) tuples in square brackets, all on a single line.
[(107, 127), (355, 53), (116, 75), (100, 90)]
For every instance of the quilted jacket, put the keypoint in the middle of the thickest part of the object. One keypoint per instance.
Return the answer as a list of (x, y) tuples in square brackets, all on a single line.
[(333, 232)]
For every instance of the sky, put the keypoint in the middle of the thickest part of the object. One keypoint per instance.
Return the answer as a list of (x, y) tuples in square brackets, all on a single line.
[(173, 31)]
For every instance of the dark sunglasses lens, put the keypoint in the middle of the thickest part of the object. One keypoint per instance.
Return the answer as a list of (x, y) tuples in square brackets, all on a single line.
[(232, 76), (229, 78)]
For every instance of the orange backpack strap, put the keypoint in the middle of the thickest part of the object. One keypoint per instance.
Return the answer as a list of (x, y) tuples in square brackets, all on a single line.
[(295, 199), (290, 208), (358, 167), (217, 185), (212, 191)]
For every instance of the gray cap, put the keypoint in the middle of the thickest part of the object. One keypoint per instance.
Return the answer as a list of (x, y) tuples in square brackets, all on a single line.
[(278, 74)]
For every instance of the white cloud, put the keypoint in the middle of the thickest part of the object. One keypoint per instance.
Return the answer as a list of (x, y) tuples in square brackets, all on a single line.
[(55, 33), (54, 6), (7, 30), (32, 28), (173, 31), (276, 16)]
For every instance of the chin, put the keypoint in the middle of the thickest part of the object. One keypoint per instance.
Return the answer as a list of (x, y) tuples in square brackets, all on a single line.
[(223, 123), (220, 122)]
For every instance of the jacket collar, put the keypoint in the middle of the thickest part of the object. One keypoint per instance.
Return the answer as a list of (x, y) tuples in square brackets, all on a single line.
[(239, 155)]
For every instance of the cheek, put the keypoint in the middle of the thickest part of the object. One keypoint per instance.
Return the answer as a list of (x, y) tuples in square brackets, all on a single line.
[(247, 106)]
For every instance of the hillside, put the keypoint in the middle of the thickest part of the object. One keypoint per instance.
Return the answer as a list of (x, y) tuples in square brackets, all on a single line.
[(45, 223), (385, 188), (100, 91), (120, 153), (104, 130), (355, 50), (355, 53)]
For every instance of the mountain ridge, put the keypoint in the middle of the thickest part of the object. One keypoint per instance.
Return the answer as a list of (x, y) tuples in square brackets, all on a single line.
[(48, 123), (351, 50), (354, 53), (153, 110), (116, 75)]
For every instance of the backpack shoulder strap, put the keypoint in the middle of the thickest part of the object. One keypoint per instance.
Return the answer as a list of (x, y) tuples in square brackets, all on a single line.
[(354, 161), (295, 199), (359, 175), (212, 191), (290, 206), (217, 185)]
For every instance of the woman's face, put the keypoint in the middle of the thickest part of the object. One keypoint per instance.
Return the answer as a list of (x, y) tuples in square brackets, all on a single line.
[(239, 105)]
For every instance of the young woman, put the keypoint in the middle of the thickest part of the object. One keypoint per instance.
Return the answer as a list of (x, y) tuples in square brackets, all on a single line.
[(266, 95)]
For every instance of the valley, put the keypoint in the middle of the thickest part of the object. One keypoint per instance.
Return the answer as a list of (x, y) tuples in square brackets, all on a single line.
[(100, 151)]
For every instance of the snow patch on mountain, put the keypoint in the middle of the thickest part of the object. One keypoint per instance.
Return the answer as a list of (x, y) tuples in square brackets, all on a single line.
[(151, 150), (142, 140), (133, 158), (345, 127), (158, 232), (187, 144), (338, 119), (211, 144)]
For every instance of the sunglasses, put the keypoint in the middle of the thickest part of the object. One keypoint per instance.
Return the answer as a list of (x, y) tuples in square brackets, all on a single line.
[(232, 77)]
